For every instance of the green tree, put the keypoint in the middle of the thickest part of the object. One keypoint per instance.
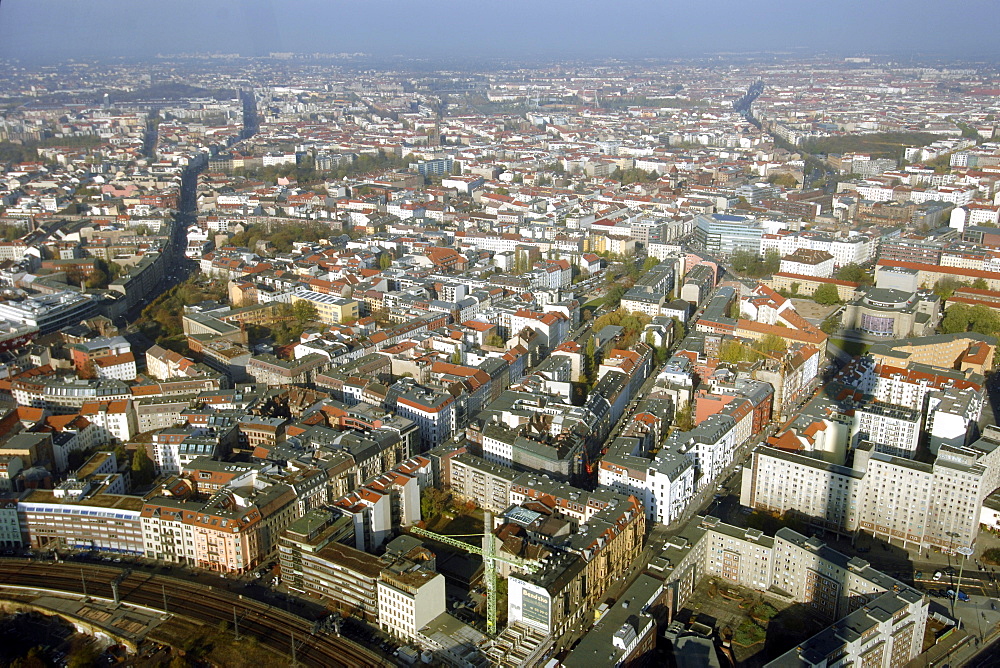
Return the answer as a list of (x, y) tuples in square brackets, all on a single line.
[(591, 360), (384, 261), (961, 318), (614, 296), (772, 262), (433, 502), (143, 469), (33, 659), (831, 324), (980, 284), (771, 343), (684, 418), (88, 371), (783, 179), (680, 331), (946, 287), (495, 341), (854, 273), (631, 323), (741, 261), (750, 264), (83, 657), (179, 661), (731, 352), (304, 311), (522, 262), (992, 555), (826, 294)]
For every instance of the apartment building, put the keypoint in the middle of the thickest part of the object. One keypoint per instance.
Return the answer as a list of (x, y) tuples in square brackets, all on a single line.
[(330, 309), (924, 505), (481, 481), (63, 520), (409, 598), (875, 619), (314, 563), (269, 370), (166, 535), (67, 395), (806, 262), (664, 484), (893, 430), (606, 533), (432, 411), (115, 420)]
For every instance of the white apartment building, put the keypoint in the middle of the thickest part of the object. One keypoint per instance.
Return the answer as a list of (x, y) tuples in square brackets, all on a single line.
[(663, 485), (776, 480), (165, 534), (408, 601), (711, 445), (952, 416), (900, 500), (115, 420), (116, 367), (910, 387), (857, 250), (894, 430), (877, 620), (434, 413), (481, 481), (808, 263), (886, 618)]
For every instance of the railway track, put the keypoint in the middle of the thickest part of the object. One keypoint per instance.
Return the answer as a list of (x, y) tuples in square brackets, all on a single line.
[(273, 627)]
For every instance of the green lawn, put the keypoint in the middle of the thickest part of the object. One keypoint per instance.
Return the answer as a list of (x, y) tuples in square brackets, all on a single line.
[(593, 304), (854, 348)]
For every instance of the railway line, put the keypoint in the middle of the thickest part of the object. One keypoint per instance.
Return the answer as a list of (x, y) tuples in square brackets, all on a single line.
[(273, 627)]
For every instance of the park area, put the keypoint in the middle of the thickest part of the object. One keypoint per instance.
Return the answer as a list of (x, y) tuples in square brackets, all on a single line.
[(757, 627)]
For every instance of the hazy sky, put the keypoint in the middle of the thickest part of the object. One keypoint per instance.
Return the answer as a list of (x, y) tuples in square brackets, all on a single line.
[(60, 29)]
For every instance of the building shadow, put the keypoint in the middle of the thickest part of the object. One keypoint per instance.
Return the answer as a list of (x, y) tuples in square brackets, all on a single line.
[(790, 627)]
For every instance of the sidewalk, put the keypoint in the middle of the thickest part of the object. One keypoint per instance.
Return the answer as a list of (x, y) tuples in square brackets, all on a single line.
[(979, 627)]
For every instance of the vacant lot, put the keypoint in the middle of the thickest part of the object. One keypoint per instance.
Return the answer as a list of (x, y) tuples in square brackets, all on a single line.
[(813, 312)]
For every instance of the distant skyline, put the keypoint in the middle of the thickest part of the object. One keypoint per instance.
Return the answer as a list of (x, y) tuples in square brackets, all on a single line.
[(51, 30)]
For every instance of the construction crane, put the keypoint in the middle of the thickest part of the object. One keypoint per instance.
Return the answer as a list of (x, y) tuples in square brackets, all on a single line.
[(490, 559)]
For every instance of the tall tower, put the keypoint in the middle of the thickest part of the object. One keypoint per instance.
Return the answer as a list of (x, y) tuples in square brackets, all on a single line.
[(435, 138)]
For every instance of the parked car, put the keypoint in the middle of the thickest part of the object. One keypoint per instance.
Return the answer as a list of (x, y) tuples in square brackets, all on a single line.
[(962, 596), (937, 575)]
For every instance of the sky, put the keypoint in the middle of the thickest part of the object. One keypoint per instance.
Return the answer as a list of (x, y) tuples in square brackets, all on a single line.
[(54, 30)]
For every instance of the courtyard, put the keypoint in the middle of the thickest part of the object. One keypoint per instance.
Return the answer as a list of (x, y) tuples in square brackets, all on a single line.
[(758, 627)]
